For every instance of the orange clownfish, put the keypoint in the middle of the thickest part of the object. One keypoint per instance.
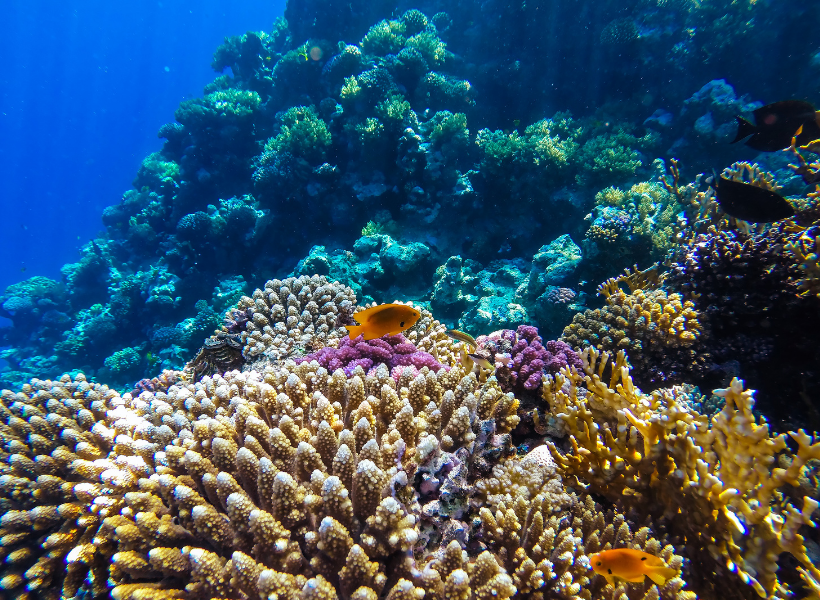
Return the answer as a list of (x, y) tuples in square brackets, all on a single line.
[(630, 565), (384, 319)]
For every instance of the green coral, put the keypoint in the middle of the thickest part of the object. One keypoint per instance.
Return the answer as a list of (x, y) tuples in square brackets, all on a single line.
[(303, 133), (430, 46), (230, 103), (440, 90), (654, 211), (156, 174), (368, 133), (123, 363), (498, 151), (448, 128), (393, 110), (351, 90), (552, 143), (414, 21), (612, 156), (385, 37)]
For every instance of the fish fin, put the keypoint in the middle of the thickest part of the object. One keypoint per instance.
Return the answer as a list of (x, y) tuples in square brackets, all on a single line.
[(610, 579), (355, 331), (744, 129), (660, 575)]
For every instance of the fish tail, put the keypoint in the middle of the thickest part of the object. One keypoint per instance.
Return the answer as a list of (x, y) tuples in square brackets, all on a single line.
[(355, 331), (744, 129), (660, 575)]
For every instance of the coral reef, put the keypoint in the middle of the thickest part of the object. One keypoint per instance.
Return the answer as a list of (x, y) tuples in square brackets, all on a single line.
[(659, 332), (712, 482), (522, 360), (393, 351), (289, 479), (287, 316)]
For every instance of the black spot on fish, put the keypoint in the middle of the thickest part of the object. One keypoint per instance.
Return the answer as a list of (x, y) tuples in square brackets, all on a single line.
[(643, 558), (401, 324), (609, 571)]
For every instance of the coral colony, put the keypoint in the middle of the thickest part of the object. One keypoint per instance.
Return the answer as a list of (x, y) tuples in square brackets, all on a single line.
[(186, 415)]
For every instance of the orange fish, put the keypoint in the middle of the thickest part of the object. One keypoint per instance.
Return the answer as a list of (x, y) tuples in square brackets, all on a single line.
[(384, 319), (630, 565)]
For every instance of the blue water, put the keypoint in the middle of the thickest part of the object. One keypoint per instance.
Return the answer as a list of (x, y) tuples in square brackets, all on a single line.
[(85, 86)]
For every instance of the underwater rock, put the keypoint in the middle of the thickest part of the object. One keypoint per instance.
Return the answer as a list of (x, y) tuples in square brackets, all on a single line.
[(554, 265)]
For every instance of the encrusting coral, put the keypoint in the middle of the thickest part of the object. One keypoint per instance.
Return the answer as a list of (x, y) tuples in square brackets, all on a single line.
[(712, 483)]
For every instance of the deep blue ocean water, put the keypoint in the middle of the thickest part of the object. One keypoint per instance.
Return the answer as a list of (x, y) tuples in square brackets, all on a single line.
[(84, 88)]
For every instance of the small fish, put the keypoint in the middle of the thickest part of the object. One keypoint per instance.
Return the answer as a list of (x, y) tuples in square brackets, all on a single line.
[(462, 337), (630, 565), (776, 124), (384, 319), (482, 362), (750, 203)]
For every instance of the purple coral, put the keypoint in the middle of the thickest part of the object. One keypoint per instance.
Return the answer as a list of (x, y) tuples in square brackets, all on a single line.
[(561, 295), (391, 350), (521, 359)]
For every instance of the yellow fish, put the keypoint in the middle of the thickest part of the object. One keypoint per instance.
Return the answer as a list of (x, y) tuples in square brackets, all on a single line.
[(630, 565), (462, 337), (384, 319)]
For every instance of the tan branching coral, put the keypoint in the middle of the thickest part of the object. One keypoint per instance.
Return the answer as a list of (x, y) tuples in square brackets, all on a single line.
[(293, 481), (291, 314), (657, 330), (713, 482)]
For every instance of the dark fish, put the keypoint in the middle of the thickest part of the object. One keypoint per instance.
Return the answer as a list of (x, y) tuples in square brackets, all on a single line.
[(775, 125), (750, 203)]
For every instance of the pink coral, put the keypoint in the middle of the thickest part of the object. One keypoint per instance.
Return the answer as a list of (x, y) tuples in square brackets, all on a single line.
[(391, 350), (522, 360)]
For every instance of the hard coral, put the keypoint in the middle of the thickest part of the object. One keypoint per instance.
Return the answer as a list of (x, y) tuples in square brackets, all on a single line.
[(710, 482), (292, 482), (288, 315), (394, 351), (657, 330), (521, 360), (249, 484)]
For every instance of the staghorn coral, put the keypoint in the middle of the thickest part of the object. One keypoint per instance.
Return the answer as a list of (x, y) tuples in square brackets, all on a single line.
[(710, 482), (658, 331)]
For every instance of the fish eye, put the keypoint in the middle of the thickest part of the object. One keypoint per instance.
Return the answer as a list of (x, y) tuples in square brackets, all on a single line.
[(598, 564), (643, 558)]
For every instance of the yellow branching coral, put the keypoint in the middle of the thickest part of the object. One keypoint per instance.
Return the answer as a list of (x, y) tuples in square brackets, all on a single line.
[(656, 329), (713, 482), (805, 251)]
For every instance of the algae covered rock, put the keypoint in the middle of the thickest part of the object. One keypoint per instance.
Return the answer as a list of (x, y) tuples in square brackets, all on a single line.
[(554, 264)]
